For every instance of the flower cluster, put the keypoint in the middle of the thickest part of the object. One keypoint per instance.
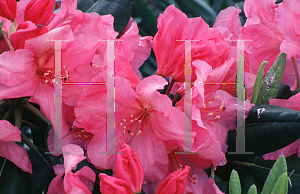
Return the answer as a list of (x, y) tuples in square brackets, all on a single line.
[(148, 151)]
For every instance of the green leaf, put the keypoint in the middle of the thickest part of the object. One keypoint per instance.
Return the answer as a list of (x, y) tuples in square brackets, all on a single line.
[(252, 190), (234, 183), (278, 169), (281, 186), (84, 5), (269, 128), (1, 26), (258, 82), (13, 179), (148, 16), (261, 168), (199, 8), (284, 92), (272, 80), (120, 9)]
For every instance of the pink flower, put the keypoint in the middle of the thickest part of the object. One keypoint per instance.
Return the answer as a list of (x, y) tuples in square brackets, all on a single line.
[(128, 171), (79, 182), (39, 11), (11, 151), (8, 9), (173, 27), (262, 28), (287, 18), (145, 119)]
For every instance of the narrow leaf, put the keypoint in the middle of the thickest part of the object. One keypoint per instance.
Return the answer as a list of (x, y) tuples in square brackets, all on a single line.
[(1, 26), (281, 186), (278, 169), (234, 183), (258, 82), (252, 190), (147, 15), (272, 80)]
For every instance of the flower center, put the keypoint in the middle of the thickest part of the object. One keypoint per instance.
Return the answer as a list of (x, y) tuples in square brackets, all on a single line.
[(134, 121), (210, 113), (48, 75), (176, 163), (81, 133)]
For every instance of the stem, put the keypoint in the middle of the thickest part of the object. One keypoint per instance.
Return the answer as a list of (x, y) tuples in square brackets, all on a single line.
[(170, 87), (2, 167), (5, 38), (31, 125), (35, 111), (212, 172), (176, 99), (18, 123), (296, 73), (7, 114)]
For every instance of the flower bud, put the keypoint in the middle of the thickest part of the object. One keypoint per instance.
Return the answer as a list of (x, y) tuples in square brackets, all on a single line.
[(129, 168), (111, 185), (175, 182), (8, 9), (39, 11)]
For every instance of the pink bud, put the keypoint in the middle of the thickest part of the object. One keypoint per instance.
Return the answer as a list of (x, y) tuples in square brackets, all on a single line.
[(111, 185), (39, 11), (175, 182), (129, 168), (8, 9)]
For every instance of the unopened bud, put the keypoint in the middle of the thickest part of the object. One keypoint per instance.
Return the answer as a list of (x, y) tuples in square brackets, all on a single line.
[(39, 11), (8, 9)]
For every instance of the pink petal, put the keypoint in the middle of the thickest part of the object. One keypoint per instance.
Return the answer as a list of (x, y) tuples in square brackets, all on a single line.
[(56, 186), (147, 91), (152, 154), (229, 19), (287, 18), (8, 132), (87, 177), (73, 154), (16, 154)]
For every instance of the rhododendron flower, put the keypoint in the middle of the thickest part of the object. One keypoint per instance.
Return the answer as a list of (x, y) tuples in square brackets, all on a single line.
[(129, 174), (10, 150), (79, 182), (8, 9), (266, 27), (212, 47), (39, 11), (145, 119), (287, 18)]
